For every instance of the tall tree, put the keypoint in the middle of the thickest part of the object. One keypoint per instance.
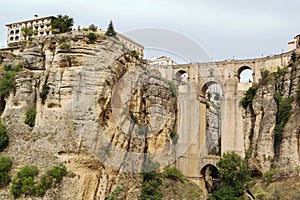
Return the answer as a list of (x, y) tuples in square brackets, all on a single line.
[(110, 30), (62, 24), (234, 172)]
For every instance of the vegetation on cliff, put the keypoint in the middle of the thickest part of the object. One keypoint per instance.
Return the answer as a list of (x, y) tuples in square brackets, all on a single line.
[(25, 182), (234, 176)]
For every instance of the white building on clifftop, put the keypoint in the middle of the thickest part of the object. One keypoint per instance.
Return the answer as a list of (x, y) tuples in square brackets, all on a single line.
[(41, 28)]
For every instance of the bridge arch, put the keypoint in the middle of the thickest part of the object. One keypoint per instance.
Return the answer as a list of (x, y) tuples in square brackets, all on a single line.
[(245, 74), (182, 76), (211, 177)]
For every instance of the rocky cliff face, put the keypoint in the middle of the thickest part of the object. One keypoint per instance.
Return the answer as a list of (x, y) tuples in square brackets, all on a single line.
[(268, 146), (102, 115)]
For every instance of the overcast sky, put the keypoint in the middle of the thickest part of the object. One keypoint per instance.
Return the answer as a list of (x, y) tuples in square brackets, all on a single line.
[(243, 29)]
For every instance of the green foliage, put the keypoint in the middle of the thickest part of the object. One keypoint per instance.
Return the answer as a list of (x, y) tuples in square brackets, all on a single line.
[(281, 71), (174, 136), (92, 37), (26, 183), (268, 175), (233, 172), (173, 88), (7, 83), (93, 27), (224, 192), (266, 77), (298, 95), (151, 180), (142, 130), (57, 173), (5, 167), (30, 116), (293, 57), (110, 30), (248, 98), (65, 46), (3, 137), (27, 32), (44, 93), (61, 24), (134, 54), (282, 116), (115, 194), (173, 173)]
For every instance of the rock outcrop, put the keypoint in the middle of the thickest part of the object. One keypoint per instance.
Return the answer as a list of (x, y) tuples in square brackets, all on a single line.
[(103, 114), (266, 150)]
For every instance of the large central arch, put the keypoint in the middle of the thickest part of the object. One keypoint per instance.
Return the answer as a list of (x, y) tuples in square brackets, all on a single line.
[(210, 118)]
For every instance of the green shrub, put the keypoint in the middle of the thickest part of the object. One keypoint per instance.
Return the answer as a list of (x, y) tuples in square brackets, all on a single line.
[(248, 98), (30, 116), (173, 173), (173, 88), (115, 194), (234, 172), (282, 116), (224, 192), (298, 95), (174, 136), (65, 46), (268, 175), (24, 182), (7, 83), (44, 93), (92, 37), (57, 173), (5, 167), (134, 54), (3, 137), (43, 185), (93, 27)]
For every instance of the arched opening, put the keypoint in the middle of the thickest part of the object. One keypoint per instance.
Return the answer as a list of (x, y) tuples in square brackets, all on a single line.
[(12, 32), (182, 76), (210, 175), (17, 38), (245, 74), (212, 92), (11, 39), (17, 31)]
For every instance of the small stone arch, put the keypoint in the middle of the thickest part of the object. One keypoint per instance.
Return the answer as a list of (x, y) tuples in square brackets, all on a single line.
[(182, 76), (210, 174), (245, 74)]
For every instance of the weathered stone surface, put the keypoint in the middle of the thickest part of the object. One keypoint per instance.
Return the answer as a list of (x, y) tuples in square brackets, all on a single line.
[(84, 122)]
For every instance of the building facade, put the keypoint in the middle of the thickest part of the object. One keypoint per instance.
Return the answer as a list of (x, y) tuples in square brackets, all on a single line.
[(131, 45), (40, 26)]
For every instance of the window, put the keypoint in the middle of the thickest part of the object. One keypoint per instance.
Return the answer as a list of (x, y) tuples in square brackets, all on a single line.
[(17, 31), (17, 38)]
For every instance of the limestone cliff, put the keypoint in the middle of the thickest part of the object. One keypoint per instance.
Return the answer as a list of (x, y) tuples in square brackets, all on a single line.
[(271, 143), (102, 114)]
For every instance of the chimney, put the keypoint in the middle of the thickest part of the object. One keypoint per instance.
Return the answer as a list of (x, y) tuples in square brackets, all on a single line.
[(36, 16)]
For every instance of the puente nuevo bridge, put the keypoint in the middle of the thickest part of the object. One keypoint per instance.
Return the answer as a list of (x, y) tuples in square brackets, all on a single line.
[(201, 123)]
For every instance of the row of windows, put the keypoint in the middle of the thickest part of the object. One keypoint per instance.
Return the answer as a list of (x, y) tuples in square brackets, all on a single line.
[(12, 32), (17, 38)]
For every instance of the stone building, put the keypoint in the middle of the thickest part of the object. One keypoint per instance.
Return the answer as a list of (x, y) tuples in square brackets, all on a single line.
[(41, 28), (131, 45)]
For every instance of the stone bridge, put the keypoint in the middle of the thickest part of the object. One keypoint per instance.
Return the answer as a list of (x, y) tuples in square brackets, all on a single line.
[(194, 128)]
